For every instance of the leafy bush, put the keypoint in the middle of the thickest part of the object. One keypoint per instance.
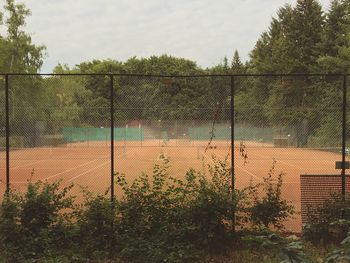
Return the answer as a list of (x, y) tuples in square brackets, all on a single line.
[(341, 255), (268, 206), (164, 219), (95, 227), (36, 223), (328, 222), (159, 219), (287, 250)]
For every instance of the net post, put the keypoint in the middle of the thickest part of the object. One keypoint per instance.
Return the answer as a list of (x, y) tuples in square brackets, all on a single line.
[(232, 86), (344, 137), (7, 112), (112, 134)]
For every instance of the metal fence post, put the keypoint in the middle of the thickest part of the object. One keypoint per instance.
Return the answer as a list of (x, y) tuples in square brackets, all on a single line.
[(233, 147), (344, 138), (7, 112), (112, 135)]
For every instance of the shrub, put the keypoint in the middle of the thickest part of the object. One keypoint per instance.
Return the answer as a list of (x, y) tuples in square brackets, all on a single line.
[(159, 218), (36, 223), (95, 226), (164, 219), (268, 206), (328, 222), (287, 250), (341, 255)]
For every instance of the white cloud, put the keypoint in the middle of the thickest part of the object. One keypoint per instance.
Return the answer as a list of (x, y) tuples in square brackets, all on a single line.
[(201, 30)]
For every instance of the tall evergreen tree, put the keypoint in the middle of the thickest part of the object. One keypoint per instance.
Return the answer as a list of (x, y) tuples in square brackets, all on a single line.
[(336, 39), (337, 26), (225, 65), (236, 64), (305, 34), (292, 42), (270, 54)]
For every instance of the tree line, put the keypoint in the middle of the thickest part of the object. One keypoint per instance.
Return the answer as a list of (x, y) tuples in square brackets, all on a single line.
[(300, 39)]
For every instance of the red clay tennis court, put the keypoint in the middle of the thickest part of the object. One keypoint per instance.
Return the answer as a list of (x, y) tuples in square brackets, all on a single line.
[(88, 164)]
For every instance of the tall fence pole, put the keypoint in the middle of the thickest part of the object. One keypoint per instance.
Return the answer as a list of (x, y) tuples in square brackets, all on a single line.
[(7, 112), (233, 146), (112, 134), (344, 137)]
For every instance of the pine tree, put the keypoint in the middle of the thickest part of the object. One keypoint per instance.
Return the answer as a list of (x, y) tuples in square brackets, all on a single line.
[(337, 26), (292, 43), (236, 64), (271, 53), (336, 39), (225, 65), (305, 34)]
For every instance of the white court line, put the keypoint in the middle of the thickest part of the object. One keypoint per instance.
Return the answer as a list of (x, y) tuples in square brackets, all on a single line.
[(288, 164), (92, 169), (36, 169), (39, 161), (84, 164), (75, 177), (240, 167), (24, 165), (57, 174), (278, 160), (250, 173)]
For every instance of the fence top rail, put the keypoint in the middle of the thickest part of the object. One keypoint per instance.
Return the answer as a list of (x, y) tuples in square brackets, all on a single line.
[(182, 76)]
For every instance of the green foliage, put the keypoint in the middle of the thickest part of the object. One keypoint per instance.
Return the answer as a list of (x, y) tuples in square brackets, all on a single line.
[(36, 223), (341, 255), (328, 222), (18, 53), (337, 25), (166, 219), (237, 66), (287, 250), (159, 219), (300, 39), (290, 44), (268, 207), (95, 227)]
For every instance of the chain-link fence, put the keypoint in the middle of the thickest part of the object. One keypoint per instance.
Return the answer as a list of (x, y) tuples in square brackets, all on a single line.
[(2, 136), (84, 128), (171, 117), (291, 123), (58, 130)]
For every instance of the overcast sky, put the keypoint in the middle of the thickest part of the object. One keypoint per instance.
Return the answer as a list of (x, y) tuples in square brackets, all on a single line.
[(201, 30)]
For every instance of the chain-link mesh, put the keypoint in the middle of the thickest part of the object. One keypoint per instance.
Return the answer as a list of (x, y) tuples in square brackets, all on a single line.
[(294, 121), (60, 127), (182, 119), (60, 130), (347, 129), (2, 137)]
